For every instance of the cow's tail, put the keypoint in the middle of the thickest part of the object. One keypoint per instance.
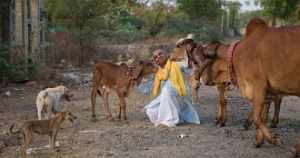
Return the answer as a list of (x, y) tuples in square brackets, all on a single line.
[(12, 131)]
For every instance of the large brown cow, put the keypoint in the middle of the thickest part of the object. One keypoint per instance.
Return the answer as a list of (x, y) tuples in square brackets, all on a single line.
[(218, 72), (265, 63), (108, 76)]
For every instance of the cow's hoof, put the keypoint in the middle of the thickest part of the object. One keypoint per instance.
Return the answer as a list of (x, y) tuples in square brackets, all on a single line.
[(109, 118), (273, 125), (247, 125), (217, 122), (93, 119), (258, 144), (57, 150), (223, 124)]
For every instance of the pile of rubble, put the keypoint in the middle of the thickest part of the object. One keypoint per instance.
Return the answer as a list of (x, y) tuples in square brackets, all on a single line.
[(77, 79)]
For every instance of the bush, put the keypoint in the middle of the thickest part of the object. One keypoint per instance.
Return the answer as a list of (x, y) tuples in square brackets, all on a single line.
[(24, 70), (203, 30)]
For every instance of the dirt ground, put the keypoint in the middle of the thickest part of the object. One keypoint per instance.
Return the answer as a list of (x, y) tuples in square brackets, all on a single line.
[(137, 137)]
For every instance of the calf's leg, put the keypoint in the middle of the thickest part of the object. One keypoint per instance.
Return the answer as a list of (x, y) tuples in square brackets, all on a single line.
[(93, 101), (221, 116), (106, 105), (122, 114)]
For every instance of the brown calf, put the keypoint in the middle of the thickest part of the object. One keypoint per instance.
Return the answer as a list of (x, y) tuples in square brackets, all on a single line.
[(108, 76)]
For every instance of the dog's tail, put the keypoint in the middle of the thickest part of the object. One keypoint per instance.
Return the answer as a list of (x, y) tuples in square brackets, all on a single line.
[(12, 131)]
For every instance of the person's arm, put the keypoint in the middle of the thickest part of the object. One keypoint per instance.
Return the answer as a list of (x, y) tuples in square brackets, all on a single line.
[(145, 86)]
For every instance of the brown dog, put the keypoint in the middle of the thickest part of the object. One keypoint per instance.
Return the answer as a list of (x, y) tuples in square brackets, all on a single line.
[(48, 127), (297, 147)]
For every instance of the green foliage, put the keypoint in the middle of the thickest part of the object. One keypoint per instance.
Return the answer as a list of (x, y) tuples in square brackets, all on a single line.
[(204, 31), (23, 70), (5, 67), (245, 17), (108, 21), (200, 9), (282, 9)]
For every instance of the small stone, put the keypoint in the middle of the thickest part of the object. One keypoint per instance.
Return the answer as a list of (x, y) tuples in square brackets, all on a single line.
[(183, 135), (8, 93)]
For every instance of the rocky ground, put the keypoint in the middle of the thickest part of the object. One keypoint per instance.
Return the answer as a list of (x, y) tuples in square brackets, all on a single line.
[(137, 137)]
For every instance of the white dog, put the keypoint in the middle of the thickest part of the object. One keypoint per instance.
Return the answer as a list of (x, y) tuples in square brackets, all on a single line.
[(48, 100)]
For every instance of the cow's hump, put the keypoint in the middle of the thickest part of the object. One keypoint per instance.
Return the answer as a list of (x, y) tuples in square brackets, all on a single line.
[(254, 24)]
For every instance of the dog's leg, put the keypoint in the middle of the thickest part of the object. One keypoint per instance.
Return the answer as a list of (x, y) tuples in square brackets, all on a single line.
[(27, 139), (48, 110), (39, 112), (53, 139), (24, 146)]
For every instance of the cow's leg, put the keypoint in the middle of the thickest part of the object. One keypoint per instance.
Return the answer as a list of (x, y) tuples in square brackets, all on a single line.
[(195, 88), (194, 83), (261, 130), (120, 110), (275, 120), (258, 103), (248, 121), (93, 100), (106, 105), (265, 112), (122, 96), (264, 116), (123, 107), (221, 116), (297, 151)]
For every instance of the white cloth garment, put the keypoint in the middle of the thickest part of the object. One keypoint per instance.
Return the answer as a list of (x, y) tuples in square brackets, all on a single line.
[(168, 108)]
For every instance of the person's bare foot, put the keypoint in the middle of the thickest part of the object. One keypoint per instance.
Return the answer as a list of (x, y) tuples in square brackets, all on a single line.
[(163, 126)]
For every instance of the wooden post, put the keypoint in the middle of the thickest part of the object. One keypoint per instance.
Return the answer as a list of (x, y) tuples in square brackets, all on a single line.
[(12, 21), (35, 30), (18, 34)]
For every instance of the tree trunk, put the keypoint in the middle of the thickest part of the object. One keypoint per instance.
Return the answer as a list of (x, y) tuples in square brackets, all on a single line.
[(18, 22), (5, 29), (35, 31)]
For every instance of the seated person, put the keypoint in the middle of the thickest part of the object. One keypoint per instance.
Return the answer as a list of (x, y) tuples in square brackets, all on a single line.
[(172, 104)]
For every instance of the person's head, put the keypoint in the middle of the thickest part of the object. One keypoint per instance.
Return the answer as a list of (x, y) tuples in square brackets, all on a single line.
[(189, 40), (159, 57)]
